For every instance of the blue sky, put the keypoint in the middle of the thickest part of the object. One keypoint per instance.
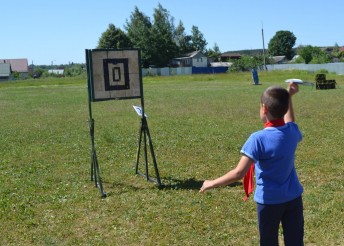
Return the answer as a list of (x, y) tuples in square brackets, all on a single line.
[(58, 32)]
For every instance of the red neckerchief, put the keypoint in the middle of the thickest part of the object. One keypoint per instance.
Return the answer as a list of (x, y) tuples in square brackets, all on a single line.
[(248, 179), (274, 123)]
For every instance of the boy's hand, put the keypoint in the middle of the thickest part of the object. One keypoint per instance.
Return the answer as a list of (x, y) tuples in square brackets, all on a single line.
[(293, 88), (207, 184)]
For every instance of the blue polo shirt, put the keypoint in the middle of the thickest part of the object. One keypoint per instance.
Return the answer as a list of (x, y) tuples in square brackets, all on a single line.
[(273, 151)]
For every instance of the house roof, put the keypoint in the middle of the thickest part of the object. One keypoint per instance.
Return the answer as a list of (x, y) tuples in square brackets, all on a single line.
[(5, 69), (230, 55), (18, 65), (193, 54), (277, 59)]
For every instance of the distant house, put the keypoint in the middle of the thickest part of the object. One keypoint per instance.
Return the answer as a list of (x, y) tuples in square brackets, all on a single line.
[(295, 57), (5, 71), (221, 64), (193, 59), (279, 60), (58, 72), (18, 65)]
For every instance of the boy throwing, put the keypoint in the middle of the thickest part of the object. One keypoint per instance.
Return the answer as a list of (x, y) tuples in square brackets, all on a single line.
[(278, 191)]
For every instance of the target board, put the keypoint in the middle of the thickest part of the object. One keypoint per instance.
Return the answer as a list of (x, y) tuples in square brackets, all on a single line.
[(114, 74)]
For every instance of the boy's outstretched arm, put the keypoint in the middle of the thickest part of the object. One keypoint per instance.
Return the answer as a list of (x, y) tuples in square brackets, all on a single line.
[(230, 177), (292, 89)]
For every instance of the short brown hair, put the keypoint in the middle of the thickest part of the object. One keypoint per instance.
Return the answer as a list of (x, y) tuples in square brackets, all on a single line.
[(276, 99)]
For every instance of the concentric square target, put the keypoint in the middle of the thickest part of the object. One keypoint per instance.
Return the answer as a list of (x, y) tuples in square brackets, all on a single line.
[(114, 74)]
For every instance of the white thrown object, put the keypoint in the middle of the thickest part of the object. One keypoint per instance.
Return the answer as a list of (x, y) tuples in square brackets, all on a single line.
[(296, 81)]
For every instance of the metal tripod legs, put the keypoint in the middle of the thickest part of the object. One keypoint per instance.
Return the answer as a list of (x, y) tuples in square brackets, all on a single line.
[(95, 172), (144, 131)]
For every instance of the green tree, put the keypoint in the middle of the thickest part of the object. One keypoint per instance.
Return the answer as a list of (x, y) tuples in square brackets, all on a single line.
[(73, 70), (215, 53), (139, 32), (163, 33), (159, 41), (341, 55), (198, 40), (313, 55), (182, 40), (321, 58), (335, 52), (306, 52), (282, 44), (16, 75), (246, 63), (114, 38), (336, 47), (37, 72)]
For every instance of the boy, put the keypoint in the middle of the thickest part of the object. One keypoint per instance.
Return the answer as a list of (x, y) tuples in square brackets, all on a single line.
[(278, 191)]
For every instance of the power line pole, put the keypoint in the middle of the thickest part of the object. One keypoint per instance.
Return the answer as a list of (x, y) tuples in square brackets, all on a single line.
[(264, 49)]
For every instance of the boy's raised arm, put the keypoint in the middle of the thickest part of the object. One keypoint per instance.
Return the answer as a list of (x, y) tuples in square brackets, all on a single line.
[(292, 89)]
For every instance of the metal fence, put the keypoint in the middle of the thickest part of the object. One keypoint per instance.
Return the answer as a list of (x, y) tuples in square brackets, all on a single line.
[(166, 71), (337, 68)]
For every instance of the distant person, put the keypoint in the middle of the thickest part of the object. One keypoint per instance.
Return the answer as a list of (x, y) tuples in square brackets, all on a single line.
[(255, 76), (278, 191)]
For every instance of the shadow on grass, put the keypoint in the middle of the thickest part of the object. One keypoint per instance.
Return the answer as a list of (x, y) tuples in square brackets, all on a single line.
[(167, 184), (176, 184), (187, 184)]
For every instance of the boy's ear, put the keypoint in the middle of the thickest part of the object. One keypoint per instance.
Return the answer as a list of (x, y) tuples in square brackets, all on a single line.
[(265, 109)]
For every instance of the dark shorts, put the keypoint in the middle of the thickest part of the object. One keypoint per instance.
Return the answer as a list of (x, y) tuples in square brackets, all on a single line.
[(290, 214)]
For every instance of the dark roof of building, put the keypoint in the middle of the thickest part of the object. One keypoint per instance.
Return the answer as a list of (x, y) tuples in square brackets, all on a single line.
[(18, 65), (231, 55)]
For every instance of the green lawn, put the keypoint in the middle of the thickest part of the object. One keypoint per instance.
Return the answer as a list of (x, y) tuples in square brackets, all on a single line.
[(198, 125)]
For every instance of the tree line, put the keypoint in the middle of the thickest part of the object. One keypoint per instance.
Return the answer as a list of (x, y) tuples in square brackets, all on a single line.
[(282, 44), (159, 40)]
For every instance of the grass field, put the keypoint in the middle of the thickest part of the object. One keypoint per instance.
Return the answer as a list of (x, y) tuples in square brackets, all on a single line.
[(198, 125)]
